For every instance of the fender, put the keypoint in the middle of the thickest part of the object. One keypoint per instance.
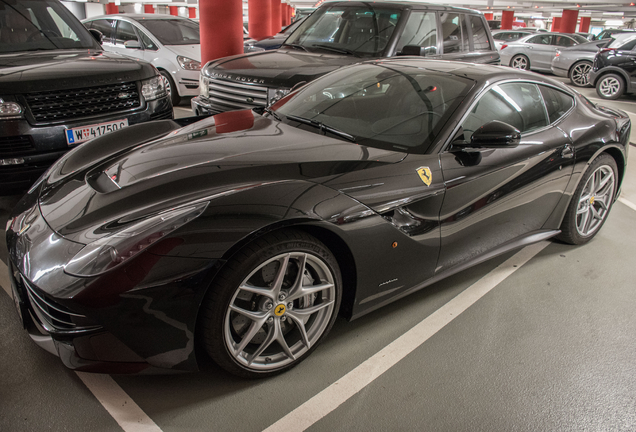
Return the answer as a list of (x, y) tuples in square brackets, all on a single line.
[(616, 70)]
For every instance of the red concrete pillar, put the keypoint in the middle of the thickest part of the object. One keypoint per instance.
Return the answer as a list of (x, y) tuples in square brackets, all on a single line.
[(192, 12), (148, 8), (111, 8), (220, 17), (259, 18), (507, 17), (489, 16), (556, 24), (568, 21), (584, 27), (174, 10), (275, 22), (282, 15)]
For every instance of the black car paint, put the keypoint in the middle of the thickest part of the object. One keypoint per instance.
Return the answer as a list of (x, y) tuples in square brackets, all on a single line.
[(261, 175), (620, 62)]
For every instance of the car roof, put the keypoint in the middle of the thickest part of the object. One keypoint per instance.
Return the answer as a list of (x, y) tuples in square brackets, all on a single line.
[(401, 4), (138, 17)]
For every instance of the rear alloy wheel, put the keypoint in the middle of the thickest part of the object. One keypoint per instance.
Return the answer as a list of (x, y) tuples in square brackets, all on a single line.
[(591, 202), (172, 89), (520, 62), (578, 74), (273, 304), (610, 86)]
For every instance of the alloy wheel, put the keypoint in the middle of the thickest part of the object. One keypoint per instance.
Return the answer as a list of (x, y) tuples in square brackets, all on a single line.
[(520, 62), (609, 86), (595, 201), (579, 74), (280, 311)]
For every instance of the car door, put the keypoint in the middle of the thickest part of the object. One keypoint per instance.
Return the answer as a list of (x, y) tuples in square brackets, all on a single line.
[(497, 195), (539, 49)]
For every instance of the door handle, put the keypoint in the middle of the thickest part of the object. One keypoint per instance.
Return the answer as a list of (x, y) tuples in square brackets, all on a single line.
[(529, 47), (567, 152)]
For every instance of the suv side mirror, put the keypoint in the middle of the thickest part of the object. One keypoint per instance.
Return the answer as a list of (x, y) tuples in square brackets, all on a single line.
[(99, 37), (132, 44), (416, 50), (495, 134)]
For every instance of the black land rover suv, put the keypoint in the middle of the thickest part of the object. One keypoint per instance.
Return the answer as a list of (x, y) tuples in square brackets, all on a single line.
[(59, 89), (338, 34)]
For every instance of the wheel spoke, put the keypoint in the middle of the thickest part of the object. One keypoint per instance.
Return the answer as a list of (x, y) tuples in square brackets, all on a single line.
[(267, 292), (271, 337), (601, 201), (582, 224), (280, 338), (300, 324), (595, 214), (280, 276), (588, 220), (253, 315), (251, 332), (302, 314), (303, 291), (298, 284), (585, 198)]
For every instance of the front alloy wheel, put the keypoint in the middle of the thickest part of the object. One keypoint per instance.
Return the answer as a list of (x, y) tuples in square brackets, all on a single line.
[(610, 86), (279, 310), (578, 74), (520, 62)]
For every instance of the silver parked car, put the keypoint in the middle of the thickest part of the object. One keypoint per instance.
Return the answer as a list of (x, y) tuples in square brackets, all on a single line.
[(575, 62), (535, 52)]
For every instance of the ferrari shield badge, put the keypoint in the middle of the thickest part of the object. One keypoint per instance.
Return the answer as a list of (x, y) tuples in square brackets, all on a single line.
[(425, 175)]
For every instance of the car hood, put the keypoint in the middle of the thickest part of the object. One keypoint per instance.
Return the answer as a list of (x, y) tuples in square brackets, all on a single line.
[(67, 69), (190, 51), (280, 68), (221, 155)]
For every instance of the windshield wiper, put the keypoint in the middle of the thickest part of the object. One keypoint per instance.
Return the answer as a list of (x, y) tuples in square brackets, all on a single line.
[(338, 50), (322, 127), (271, 112), (296, 46)]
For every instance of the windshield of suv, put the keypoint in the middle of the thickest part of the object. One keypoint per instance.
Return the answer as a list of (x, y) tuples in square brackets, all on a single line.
[(362, 30), (31, 25), (173, 31), (394, 106)]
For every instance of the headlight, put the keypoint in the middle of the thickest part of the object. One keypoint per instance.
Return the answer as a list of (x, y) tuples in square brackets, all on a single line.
[(274, 94), (9, 110), (113, 250), (204, 89), (154, 88), (188, 63)]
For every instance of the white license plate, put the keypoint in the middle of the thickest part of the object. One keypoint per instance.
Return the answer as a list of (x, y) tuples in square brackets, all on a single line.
[(84, 133)]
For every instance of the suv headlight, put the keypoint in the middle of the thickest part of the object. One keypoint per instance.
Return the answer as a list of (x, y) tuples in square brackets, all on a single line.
[(10, 110), (188, 63), (275, 94), (111, 251), (204, 89), (154, 88)]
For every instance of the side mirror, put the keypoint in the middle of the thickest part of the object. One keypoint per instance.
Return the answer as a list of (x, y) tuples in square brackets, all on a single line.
[(132, 44), (97, 35), (416, 50), (495, 134)]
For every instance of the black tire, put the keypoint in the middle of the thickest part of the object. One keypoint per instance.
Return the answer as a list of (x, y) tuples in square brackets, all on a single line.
[(225, 330), (172, 89), (610, 86), (578, 73), (520, 62), (572, 230)]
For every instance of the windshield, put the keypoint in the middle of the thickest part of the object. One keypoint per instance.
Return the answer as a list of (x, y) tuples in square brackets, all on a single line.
[(31, 25), (393, 106), (363, 30), (624, 42), (173, 31)]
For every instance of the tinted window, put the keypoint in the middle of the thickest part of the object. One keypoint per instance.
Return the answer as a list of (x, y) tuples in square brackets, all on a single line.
[(173, 31), (557, 103), (541, 39), (106, 27), (480, 36), (518, 104), (563, 41), (421, 29), (628, 46), (125, 33), (501, 36), (148, 43), (453, 32)]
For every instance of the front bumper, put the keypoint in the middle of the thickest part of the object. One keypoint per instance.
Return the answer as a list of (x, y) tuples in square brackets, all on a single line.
[(558, 70), (187, 82), (201, 106), (48, 142)]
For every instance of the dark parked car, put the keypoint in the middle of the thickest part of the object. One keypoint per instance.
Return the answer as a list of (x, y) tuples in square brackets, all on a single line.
[(244, 234), (609, 33), (58, 88), (613, 72), (339, 34), (275, 42)]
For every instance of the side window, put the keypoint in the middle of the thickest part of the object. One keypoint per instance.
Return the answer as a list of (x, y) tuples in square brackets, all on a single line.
[(106, 27), (453, 32), (480, 35), (421, 29), (556, 102), (148, 43), (518, 104), (563, 41), (541, 40), (629, 46), (125, 32)]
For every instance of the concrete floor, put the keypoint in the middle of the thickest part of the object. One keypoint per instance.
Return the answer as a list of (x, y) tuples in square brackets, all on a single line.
[(548, 349)]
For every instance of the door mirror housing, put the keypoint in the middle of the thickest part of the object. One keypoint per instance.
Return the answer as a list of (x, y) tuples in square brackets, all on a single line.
[(416, 50), (132, 44), (495, 134), (97, 35)]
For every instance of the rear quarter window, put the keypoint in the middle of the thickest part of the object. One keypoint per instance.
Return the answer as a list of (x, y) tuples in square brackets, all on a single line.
[(557, 103), (480, 36)]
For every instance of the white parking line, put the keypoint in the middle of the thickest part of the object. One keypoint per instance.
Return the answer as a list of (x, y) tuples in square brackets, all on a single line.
[(628, 203), (113, 398), (339, 392)]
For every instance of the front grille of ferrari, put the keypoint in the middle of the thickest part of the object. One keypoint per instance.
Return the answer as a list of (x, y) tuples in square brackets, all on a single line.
[(232, 95), (59, 105)]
